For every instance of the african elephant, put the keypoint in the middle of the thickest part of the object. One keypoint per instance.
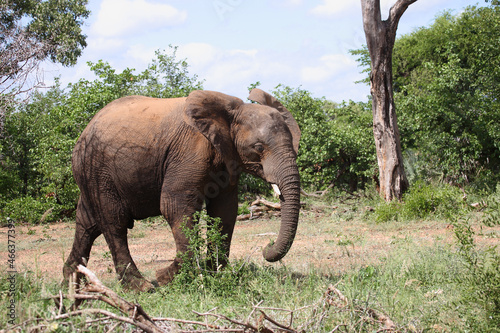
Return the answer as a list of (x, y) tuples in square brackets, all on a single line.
[(140, 157)]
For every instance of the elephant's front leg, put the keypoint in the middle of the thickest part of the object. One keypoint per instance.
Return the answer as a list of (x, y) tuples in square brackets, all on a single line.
[(224, 207), (178, 211)]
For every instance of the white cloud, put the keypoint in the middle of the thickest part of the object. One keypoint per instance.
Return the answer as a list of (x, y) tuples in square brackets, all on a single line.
[(231, 71), (103, 45), (198, 55), (336, 7), (329, 66), (123, 17), (140, 55), (293, 2)]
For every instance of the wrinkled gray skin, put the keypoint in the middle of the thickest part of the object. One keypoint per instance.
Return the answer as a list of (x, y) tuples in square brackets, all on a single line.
[(142, 157)]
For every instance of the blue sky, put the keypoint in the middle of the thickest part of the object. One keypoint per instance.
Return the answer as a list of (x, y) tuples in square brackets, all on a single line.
[(233, 43)]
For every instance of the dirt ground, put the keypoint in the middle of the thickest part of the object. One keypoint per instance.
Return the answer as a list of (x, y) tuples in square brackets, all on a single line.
[(328, 241)]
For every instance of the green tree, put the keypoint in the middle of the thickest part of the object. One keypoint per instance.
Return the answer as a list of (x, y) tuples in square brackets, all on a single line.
[(32, 31), (448, 92), (336, 145)]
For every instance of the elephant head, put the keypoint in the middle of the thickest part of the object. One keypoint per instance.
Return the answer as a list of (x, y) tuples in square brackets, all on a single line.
[(261, 139)]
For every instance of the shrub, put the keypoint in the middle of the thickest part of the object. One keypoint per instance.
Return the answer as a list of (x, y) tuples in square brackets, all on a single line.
[(422, 201), (387, 211), (482, 283), (203, 265), (336, 144), (29, 210)]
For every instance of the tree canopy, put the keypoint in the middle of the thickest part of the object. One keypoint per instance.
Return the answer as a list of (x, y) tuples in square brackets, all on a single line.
[(448, 91)]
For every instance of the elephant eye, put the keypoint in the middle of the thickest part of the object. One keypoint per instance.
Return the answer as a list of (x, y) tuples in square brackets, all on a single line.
[(259, 147)]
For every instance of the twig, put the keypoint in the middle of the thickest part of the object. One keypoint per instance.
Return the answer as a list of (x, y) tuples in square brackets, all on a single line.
[(234, 330), (61, 304), (246, 325), (113, 327), (274, 322), (189, 322), (253, 310)]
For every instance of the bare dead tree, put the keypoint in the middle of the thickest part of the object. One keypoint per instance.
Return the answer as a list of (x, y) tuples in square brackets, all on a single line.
[(30, 33), (380, 38), (20, 58)]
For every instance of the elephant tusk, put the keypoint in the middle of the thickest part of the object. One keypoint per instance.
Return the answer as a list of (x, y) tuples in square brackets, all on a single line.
[(276, 189)]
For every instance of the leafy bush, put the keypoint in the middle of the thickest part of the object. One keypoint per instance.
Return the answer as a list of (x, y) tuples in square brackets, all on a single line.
[(252, 185), (29, 210), (422, 201), (387, 211), (492, 212)]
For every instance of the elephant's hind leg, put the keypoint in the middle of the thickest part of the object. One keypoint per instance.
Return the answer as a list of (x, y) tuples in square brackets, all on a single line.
[(115, 233), (86, 231)]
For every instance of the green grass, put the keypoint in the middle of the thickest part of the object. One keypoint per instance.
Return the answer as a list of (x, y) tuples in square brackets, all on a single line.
[(419, 290)]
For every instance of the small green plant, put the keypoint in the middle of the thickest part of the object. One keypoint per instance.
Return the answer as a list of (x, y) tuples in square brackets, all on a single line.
[(205, 264), (387, 211), (482, 282), (244, 208), (492, 213)]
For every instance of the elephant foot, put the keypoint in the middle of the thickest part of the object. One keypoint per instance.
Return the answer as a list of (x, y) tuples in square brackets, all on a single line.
[(70, 274), (139, 284), (165, 275)]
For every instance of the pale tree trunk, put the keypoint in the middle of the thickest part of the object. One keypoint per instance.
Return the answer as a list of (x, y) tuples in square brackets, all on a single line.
[(380, 38)]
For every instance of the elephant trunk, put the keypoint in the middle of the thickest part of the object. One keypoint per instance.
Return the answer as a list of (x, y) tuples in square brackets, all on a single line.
[(288, 182)]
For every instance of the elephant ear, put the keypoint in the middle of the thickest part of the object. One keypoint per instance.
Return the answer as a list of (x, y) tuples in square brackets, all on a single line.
[(263, 98), (210, 113)]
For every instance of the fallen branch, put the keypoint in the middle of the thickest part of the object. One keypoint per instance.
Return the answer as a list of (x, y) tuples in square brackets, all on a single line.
[(267, 203), (143, 326), (134, 311), (261, 206)]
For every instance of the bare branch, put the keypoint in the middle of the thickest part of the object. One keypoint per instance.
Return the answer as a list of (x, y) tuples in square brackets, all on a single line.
[(396, 12)]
